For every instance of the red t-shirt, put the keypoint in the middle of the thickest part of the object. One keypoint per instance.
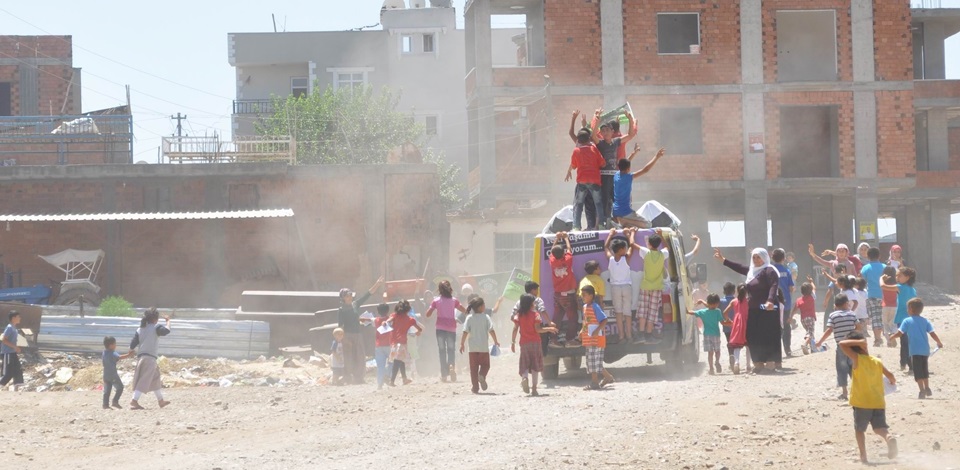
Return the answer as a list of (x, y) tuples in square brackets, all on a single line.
[(401, 325), (383, 339), (562, 270), (889, 298), (528, 327), (587, 161), (807, 307)]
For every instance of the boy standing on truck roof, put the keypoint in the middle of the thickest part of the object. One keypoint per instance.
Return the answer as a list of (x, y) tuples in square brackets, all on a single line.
[(586, 159), (651, 288), (623, 214), (564, 289)]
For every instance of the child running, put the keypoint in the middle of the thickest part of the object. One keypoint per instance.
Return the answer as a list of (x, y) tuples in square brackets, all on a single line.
[(872, 272), (593, 339), (111, 379), (736, 314), (841, 323), (807, 306), (476, 328), (11, 362), (866, 393), (711, 317), (401, 321), (905, 291), (446, 306), (916, 328), (529, 325), (146, 342)]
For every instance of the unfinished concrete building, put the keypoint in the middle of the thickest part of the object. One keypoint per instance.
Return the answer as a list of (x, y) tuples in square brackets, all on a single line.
[(819, 116)]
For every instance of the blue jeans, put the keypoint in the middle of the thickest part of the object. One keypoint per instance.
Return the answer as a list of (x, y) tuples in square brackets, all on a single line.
[(579, 197), (107, 386), (447, 345), (381, 355), (844, 367)]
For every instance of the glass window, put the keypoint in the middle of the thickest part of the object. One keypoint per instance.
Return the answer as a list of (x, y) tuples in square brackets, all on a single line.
[(513, 250), (428, 43), (676, 32), (432, 124), (349, 80), (299, 86), (406, 44)]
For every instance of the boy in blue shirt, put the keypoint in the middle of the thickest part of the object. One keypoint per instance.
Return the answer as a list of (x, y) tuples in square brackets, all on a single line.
[(111, 379), (623, 214), (915, 329), (872, 272), (9, 350), (711, 316), (905, 291)]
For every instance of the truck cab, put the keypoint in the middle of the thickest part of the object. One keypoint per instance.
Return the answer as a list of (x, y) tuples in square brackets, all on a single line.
[(678, 333)]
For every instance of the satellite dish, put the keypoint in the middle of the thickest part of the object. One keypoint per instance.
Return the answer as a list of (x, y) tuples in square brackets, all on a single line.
[(394, 5), (142, 162)]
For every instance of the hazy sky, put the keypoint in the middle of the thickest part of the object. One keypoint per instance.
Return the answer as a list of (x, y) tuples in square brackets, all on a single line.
[(173, 54)]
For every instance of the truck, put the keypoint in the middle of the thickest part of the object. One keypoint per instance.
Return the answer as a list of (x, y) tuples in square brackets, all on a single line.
[(679, 344)]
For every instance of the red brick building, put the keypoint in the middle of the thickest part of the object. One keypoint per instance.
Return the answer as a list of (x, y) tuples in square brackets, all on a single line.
[(817, 116)]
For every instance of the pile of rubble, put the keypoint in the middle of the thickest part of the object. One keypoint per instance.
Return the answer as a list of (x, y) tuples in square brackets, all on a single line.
[(56, 372)]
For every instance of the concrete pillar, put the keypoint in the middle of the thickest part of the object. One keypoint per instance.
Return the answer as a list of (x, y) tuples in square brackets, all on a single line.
[(843, 211), (110, 280), (755, 216), (482, 43), (861, 20), (938, 140), (934, 65), (536, 38), (751, 58), (611, 39), (941, 243), (216, 198), (486, 124), (866, 210), (801, 234), (781, 223), (917, 251), (865, 131)]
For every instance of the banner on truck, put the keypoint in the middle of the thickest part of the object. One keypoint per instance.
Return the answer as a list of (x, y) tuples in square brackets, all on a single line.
[(514, 288)]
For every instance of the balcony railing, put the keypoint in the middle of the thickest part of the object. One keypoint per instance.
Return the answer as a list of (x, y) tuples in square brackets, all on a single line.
[(252, 106), (241, 149), (925, 3)]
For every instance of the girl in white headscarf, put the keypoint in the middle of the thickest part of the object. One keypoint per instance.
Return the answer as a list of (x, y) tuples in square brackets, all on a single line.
[(763, 322)]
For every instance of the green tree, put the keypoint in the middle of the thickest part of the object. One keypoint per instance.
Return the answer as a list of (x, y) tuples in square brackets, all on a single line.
[(355, 126)]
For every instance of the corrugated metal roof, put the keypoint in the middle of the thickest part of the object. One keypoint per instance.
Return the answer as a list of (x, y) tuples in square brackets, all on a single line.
[(244, 214)]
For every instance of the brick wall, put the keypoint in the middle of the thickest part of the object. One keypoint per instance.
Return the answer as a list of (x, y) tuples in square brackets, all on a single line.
[(892, 38), (722, 143), (75, 151), (844, 102), (844, 49), (194, 263), (53, 79), (896, 137), (953, 142), (719, 58), (573, 41)]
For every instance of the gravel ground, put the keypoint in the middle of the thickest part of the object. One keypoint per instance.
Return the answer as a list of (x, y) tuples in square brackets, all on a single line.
[(651, 418)]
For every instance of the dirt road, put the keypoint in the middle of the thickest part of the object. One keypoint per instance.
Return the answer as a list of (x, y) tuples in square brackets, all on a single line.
[(649, 419)]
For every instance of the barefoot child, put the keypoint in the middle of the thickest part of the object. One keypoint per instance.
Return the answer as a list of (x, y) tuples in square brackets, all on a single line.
[(337, 364), (11, 362), (711, 317), (866, 393), (111, 379), (916, 328), (401, 321), (529, 325), (841, 323), (593, 339), (476, 328), (146, 342)]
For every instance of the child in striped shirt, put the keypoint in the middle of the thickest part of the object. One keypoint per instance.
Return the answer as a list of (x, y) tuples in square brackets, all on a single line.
[(593, 339), (841, 323)]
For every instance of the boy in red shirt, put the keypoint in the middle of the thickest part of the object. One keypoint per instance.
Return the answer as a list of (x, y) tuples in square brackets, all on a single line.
[(586, 159), (564, 290), (807, 306)]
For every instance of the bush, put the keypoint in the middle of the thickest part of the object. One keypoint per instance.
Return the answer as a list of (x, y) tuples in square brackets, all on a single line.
[(116, 306)]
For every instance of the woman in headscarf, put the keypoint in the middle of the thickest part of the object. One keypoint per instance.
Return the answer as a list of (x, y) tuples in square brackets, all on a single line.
[(763, 322), (896, 257)]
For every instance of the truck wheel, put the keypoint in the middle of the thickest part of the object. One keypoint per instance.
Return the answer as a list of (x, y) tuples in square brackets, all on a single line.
[(572, 363), (72, 297), (690, 353), (551, 371)]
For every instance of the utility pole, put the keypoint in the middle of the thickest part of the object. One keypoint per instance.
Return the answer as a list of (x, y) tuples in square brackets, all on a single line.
[(179, 118)]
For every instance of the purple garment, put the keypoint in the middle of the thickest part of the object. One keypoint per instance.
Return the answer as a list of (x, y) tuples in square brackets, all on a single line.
[(446, 308), (761, 289)]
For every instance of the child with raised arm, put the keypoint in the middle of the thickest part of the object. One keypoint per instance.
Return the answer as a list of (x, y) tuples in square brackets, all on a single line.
[(593, 338), (586, 159), (711, 317), (866, 393), (530, 326), (146, 341), (476, 328), (916, 328), (618, 253), (841, 323), (905, 278), (609, 147), (564, 290), (623, 214), (651, 288), (348, 318)]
